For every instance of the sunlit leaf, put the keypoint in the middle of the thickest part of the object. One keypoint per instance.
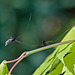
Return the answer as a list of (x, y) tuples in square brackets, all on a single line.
[(3, 68), (69, 60), (57, 70), (63, 49), (67, 72)]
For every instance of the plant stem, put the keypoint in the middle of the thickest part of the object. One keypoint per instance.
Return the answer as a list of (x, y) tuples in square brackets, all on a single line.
[(14, 65), (17, 58), (23, 56), (49, 46)]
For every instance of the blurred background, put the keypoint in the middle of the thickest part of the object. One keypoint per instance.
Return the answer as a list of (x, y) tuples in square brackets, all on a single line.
[(50, 19)]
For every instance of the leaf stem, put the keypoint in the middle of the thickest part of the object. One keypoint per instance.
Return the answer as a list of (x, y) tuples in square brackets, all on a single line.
[(15, 65), (23, 56), (17, 58)]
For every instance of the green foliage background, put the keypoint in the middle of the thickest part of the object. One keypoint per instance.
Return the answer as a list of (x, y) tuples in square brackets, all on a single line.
[(50, 18)]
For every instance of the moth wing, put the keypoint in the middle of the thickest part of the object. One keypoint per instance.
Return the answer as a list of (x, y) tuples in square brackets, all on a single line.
[(17, 41), (8, 41), (48, 41), (37, 44)]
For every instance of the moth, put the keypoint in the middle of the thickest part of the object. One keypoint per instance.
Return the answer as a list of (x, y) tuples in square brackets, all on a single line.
[(11, 39), (43, 43)]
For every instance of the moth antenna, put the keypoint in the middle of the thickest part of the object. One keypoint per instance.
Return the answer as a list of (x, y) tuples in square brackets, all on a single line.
[(62, 34), (27, 25)]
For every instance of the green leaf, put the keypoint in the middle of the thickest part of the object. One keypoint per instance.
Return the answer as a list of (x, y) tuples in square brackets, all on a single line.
[(67, 72), (57, 70), (69, 60), (3, 68), (64, 54), (63, 49)]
